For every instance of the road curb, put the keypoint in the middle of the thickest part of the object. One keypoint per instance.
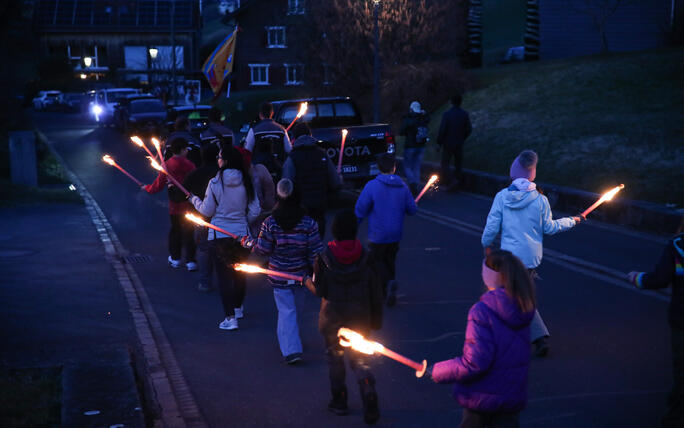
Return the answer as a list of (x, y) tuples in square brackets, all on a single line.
[(171, 393), (636, 214)]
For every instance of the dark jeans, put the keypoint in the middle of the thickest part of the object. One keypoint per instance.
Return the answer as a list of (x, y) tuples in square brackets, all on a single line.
[(205, 262), (384, 257), (232, 285), (336, 367), (472, 419), (447, 154), (674, 417), (181, 235)]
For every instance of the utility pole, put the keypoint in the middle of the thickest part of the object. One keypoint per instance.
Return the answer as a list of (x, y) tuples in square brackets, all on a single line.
[(173, 53), (376, 63)]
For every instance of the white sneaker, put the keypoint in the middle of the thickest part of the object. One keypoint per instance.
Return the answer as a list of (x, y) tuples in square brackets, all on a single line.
[(174, 263), (229, 324), (192, 266), (239, 312)]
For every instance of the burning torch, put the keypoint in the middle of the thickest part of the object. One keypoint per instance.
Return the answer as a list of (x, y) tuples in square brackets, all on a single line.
[(605, 197), (109, 160), (139, 142), (157, 145), (339, 161), (159, 168), (302, 111), (351, 339), (430, 182), (241, 267), (193, 218)]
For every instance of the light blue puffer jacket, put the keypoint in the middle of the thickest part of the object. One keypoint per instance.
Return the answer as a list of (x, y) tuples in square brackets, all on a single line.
[(523, 216)]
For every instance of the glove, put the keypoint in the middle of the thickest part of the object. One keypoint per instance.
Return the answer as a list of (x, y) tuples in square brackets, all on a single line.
[(428, 373), (579, 218)]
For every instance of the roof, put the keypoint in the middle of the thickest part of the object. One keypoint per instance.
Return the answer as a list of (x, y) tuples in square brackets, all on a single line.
[(311, 100)]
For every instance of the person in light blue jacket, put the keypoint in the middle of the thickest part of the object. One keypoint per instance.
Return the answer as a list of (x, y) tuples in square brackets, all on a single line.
[(523, 216)]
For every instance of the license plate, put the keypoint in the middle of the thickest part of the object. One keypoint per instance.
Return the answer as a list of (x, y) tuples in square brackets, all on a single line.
[(349, 168)]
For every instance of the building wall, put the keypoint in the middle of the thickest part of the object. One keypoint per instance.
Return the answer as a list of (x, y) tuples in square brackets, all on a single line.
[(566, 32)]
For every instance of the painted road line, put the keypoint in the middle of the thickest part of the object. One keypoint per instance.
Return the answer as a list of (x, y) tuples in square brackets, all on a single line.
[(177, 406)]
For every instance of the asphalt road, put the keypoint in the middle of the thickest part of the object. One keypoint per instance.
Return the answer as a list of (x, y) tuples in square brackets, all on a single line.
[(610, 358)]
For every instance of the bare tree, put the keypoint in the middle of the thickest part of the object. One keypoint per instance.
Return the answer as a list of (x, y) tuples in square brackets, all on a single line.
[(599, 12)]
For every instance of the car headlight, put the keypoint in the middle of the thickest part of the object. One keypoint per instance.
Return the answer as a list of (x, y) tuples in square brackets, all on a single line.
[(97, 110)]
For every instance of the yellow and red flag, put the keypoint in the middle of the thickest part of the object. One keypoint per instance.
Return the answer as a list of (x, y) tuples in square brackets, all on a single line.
[(220, 63)]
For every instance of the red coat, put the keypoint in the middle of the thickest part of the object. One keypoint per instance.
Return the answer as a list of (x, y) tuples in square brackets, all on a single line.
[(179, 167)]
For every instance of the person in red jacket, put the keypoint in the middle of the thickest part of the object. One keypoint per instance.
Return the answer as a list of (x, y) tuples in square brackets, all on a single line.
[(181, 232)]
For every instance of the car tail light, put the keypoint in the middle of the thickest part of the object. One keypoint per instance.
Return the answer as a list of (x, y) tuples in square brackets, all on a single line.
[(389, 139)]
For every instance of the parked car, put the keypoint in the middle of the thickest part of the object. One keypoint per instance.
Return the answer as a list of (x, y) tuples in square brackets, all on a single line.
[(102, 109), (198, 115), (327, 117), (70, 102), (140, 114), (45, 99)]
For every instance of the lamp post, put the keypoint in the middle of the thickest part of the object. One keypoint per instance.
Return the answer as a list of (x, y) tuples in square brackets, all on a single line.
[(87, 61), (376, 63)]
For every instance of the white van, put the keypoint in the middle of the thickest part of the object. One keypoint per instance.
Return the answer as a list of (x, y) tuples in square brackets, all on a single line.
[(102, 108)]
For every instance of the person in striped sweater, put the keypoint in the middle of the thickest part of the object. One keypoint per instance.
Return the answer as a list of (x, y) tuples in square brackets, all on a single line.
[(290, 240)]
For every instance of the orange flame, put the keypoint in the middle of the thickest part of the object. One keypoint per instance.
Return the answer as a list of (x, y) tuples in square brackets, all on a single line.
[(156, 165), (432, 180), (193, 218), (137, 140), (108, 159), (302, 109), (242, 267), (351, 339), (344, 133), (611, 193), (156, 143)]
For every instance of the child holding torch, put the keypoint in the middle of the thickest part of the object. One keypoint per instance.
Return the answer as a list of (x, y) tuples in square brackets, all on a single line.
[(490, 378), (351, 296), (670, 270), (290, 240), (181, 233), (231, 202), (523, 216)]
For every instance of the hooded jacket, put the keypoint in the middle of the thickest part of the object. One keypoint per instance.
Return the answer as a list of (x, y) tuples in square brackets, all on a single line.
[(523, 216), (491, 375), (409, 128), (385, 200), (669, 270), (226, 203), (179, 167)]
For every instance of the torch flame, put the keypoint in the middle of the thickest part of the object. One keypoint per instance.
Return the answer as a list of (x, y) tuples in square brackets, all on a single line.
[(137, 140), (108, 159), (242, 267), (155, 165), (193, 218), (302, 109), (344, 133), (611, 193), (350, 338), (432, 180), (156, 143)]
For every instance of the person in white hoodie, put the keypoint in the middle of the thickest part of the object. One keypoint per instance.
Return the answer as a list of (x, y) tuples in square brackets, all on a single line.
[(523, 216), (232, 203)]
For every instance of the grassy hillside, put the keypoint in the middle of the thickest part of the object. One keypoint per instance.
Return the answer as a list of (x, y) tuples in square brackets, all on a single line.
[(594, 121)]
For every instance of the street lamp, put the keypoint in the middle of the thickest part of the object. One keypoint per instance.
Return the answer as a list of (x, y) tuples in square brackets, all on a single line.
[(87, 61), (376, 63), (153, 52)]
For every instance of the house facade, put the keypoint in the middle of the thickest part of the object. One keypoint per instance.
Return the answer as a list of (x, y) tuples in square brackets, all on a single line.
[(121, 39)]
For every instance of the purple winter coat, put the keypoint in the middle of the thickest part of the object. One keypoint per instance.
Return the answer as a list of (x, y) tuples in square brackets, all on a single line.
[(491, 376)]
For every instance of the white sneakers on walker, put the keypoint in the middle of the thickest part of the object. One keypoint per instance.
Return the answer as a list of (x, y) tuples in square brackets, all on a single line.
[(229, 324)]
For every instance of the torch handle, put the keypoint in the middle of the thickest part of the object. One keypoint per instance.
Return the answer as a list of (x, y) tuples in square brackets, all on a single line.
[(422, 192), (403, 360), (218, 229), (592, 208), (283, 275), (291, 123), (138, 182), (339, 160)]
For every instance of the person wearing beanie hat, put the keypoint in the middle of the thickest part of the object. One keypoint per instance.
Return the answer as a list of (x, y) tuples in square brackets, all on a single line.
[(290, 240), (414, 129), (351, 296), (523, 216)]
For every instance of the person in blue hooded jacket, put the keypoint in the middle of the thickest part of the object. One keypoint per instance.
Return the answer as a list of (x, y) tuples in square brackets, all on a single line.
[(523, 216), (385, 200)]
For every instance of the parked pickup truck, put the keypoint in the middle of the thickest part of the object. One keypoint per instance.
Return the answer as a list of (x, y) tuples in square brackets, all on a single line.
[(327, 117)]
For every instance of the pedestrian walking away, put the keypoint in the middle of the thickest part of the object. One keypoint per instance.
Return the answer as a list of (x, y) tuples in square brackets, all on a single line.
[(351, 296), (454, 128), (385, 200), (490, 377), (313, 173), (414, 128), (523, 216), (181, 233), (196, 183), (231, 202), (268, 141), (216, 129), (289, 239), (670, 271)]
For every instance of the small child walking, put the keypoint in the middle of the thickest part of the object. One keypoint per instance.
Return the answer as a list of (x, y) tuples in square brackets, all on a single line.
[(351, 296), (491, 376), (290, 240), (385, 200)]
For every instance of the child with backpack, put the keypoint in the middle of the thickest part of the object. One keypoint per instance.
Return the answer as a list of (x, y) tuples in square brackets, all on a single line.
[(490, 378), (351, 296)]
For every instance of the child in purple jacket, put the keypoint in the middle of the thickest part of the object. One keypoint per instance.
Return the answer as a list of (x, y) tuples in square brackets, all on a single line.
[(491, 376)]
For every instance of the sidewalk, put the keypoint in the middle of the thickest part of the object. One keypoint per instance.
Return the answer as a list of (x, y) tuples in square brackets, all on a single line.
[(62, 306)]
